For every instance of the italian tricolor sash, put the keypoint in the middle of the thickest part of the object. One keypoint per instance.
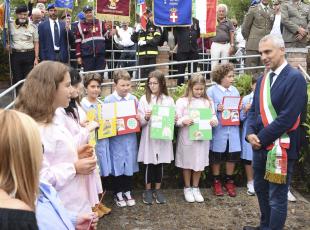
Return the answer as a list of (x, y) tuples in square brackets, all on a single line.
[(276, 166)]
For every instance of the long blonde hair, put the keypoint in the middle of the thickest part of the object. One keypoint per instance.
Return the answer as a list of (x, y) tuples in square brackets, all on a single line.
[(20, 156), (37, 95), (195, 79)]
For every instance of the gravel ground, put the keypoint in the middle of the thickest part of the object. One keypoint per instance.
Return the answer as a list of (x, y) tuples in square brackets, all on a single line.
[(215, 213)]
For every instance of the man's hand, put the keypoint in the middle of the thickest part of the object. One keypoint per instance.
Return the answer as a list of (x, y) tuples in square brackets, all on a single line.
[(79, 60), (36, 61), (302, 31), (299, 37), (141, 43), (86, 221), (254, 141)]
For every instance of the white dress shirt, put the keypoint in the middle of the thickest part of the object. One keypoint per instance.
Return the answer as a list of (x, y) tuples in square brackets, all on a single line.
[(52, 22)]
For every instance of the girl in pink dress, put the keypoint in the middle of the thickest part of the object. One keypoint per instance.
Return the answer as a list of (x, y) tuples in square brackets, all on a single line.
[(47, 88), (192, 156), (153, 153)]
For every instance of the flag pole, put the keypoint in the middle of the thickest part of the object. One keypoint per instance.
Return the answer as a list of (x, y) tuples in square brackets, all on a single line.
[(67, 30)]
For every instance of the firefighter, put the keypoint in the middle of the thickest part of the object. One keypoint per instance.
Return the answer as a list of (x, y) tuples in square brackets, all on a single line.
[(148, 39)]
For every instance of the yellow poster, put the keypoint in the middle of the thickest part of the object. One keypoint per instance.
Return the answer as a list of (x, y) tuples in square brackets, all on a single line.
[(106, 120)]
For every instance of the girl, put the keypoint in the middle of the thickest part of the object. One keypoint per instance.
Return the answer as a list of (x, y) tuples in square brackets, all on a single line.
[(225, 145), (92, 84), (70, 117), (192, 156), (153, 153), (20, 163), (247, 153), (48, 86)]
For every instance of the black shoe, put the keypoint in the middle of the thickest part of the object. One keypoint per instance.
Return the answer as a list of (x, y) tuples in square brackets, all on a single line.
[(250, 228)]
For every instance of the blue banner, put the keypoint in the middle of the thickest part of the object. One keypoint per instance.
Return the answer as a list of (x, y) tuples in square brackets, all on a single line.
[(6, 22), (64, 4), (172, 12)]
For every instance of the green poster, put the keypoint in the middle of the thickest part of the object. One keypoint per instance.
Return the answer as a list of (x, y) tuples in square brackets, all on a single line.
[(201, 129), (162, 122)]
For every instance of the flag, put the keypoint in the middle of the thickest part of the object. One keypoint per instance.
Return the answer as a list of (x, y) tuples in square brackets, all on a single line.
[(205, 12), (173, 13), (64, 4), (113, 10), (141, 11), (5, 22)]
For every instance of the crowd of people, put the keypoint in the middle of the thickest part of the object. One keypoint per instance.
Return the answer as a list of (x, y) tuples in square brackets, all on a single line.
[(38, 34), (45, 151)]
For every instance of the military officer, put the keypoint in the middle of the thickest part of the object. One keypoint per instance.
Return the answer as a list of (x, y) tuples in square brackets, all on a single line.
[(186, 40), (296, 23), (24, 44), (257, 23)]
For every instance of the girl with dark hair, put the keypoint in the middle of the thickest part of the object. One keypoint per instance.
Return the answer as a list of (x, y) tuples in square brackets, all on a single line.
[(153, 153)]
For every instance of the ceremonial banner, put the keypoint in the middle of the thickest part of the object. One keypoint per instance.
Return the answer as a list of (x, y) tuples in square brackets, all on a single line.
[(141, 11), (231, 114), (113, 10), (201, 129), (172, 12), (5, 22), (205, 12), (162, 122), (64, 4)]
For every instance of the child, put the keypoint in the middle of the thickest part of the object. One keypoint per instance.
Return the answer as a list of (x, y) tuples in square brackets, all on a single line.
[(92, 84), (225, 145), (123, 148), (153, 153), (70, 117), (192, 156), (247, 152)]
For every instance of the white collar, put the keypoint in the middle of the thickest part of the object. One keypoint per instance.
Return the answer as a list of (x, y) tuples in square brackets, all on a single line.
[(263, 6), (87, 103), (119, 97), (52, 21), (223, 88), (280, 68)]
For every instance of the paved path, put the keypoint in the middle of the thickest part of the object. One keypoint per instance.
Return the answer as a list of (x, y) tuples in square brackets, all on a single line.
[(215, 213)]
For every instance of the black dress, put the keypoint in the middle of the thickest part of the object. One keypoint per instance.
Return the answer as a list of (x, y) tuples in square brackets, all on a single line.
[(14, 219)]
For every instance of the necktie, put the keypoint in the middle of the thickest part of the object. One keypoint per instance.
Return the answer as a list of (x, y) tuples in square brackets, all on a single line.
[(56, 34), (271, 75)]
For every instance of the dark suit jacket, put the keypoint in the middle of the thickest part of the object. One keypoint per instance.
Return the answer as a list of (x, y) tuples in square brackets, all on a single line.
[(288, 96), (46, 42), (186, 37)]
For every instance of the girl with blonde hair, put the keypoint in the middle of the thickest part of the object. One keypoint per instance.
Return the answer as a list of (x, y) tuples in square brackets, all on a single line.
[(20, 163)]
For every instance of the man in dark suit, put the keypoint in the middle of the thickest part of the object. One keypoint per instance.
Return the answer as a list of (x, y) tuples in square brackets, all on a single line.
[(273, 131), (54, 38), (186, 40)]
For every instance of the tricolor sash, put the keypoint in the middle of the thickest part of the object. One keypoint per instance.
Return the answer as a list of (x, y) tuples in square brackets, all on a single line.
[(276, 165)]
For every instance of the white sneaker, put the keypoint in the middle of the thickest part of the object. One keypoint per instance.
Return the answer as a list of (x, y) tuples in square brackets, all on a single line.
[(291, 197), (129, 200), (197, 195), (250, 186), (188, 194), (119, 200)]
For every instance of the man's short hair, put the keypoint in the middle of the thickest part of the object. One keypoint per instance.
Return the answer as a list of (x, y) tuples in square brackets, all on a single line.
[(222, 6), (276, 40), (36, 11)]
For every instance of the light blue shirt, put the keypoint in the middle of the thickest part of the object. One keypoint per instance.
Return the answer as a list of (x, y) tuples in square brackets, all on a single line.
[(222, 134), (50, 213)]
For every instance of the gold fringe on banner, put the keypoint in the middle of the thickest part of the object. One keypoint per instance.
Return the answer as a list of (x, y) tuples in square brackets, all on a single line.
[(275, 178)]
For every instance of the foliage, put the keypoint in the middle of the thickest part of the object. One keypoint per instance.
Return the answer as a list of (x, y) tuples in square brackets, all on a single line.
[(243, 83), (4, 65), (237, 9)]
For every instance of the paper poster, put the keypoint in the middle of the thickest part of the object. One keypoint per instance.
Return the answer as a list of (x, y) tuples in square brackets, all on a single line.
[(162, 122), (231, 112), (201, 129), (106, 120), (126, 113)]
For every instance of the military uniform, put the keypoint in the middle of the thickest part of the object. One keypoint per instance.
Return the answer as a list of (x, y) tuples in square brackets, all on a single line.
[(186, 40), (23, 54), (257, 23), (293, 17), (147, 52)]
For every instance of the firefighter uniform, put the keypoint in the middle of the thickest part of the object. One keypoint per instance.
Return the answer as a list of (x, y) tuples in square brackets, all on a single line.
[(147, 50), (90, 44)]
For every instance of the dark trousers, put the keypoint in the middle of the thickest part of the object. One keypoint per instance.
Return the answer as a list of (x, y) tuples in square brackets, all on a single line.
[(130, 56), (272, 198), (21, 64), (184, 56), (122, 184), (253, 62), (153, 173), (91, 63), (147, 60)]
